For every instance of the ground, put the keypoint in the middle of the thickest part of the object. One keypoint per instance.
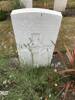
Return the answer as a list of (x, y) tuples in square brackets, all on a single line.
[(24, 83)]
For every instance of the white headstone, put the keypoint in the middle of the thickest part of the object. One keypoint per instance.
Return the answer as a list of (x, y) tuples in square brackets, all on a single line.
[(60, 5), (26, 3), (35, 29)]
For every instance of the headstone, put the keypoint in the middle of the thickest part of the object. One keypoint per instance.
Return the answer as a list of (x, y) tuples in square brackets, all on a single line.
[(26, 3), (60, 5), (35, 29)]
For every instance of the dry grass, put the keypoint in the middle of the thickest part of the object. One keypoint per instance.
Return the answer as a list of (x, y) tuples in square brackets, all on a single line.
[(6, 5), (5, 26), (7, 40), (9, 5), (43, 3), (71, 4), (50, 3), (67, 33)]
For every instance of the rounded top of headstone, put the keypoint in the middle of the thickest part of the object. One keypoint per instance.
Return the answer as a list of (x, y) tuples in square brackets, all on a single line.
[(36, 10)]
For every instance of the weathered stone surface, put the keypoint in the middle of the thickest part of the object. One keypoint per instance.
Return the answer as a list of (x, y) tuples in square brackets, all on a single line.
[(26, 3), (35, 30), (60, 5)]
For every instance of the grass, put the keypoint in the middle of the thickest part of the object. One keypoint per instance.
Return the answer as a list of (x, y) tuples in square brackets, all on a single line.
[(9, 5), (43, 3), (67, 33), (7, 40), (6, 5), (5, 26), (71, 4), (50, 3), (26, 83)]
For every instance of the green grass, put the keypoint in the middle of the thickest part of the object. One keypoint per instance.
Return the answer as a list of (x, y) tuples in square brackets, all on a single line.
[(27, 83)]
